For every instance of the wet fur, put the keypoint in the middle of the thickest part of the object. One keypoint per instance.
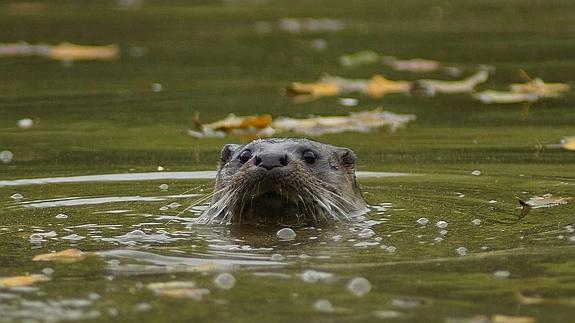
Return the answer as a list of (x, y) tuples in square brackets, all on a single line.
[(296, 194)]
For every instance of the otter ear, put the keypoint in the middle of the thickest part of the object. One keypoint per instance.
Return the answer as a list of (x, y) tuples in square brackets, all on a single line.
[(227, 153), (347, 157)]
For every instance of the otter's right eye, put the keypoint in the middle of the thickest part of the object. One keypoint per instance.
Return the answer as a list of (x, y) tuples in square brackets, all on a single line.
[(309, 157), (245, 156)]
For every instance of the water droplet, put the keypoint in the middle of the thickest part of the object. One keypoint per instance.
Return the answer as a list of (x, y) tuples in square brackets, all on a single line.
[(359, 286), (25, 123), (286, 234), (476, 221), (501, 274), (422, 221), (164, 187), (73, 237), (6, 156), (461, 251), (47, 271), (476, 172), (323, 305), (441, 224), (277, 257), (312, 276), (366, 233), (225, 281), (61, 216), (157, 87), (16, 196)]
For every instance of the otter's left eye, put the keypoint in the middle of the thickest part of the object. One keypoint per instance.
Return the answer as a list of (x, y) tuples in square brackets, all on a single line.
[(245, 156), (309, 157)]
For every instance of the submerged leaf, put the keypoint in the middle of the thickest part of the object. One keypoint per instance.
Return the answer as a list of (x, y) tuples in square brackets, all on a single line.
[(64, 256), (25, 280)]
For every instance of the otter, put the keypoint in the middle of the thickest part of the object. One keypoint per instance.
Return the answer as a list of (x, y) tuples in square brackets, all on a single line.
[(285, 181)]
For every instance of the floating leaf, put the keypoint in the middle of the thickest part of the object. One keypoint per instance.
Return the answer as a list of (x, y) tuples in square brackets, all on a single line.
[(431, 87), (567, 143), (378, 86), (546, 200), (491, 96), (62, 52), (539, 87), (179, 289), (358, 121), (364, 57), (232, 122), (418, 65), (25, 280), (65, 256), (71, 52), (498, 318)]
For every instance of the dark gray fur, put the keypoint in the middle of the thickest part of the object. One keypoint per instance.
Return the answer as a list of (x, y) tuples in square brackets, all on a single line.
[(296, 194)]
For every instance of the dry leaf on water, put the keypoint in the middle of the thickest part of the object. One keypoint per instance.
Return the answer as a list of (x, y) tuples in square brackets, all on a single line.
[(567, 143), (257, 125), (64, 256), (491, 96), (379, 86), (179, 289), (539, 87), (25, 280), (417, 65), (546, 200), (356, 121), (431, 87), (62, 52)]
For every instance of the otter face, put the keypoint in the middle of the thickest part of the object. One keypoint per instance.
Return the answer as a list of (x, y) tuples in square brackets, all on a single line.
[(284, 181)]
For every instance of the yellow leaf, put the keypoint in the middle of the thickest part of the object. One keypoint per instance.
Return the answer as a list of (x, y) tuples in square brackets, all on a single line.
[(71, 52), (378, 86), (64, 256), (498, 318), (232, 122), (568, 143), (26, 280), (317, 89)]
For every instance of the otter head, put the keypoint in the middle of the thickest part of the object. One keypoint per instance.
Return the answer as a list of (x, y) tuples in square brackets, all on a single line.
[(284, 181)]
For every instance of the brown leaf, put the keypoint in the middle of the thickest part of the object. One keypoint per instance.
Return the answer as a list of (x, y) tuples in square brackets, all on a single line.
[(25, 280), (64, 256)]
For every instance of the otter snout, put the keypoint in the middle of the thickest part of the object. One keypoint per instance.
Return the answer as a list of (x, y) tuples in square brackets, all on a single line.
[(271, 160)]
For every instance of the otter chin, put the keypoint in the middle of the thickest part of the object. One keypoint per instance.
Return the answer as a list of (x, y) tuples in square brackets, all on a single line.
[(285, 182)]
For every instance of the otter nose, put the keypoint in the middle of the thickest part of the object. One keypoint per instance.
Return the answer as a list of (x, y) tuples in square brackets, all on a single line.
[(271, 160)]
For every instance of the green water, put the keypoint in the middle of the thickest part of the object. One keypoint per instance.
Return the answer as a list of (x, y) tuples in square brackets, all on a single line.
[(94, 118)]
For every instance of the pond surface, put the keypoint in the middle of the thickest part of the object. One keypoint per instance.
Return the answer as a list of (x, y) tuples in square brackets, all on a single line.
[(108, 166)]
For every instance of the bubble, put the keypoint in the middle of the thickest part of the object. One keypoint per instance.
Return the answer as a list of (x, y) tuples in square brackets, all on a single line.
[(348, 102), (136, 233), (36, 237), (174, 205), (143, 307), (61, 216), (16, 196), (25, 123), (73, 237), (277, 257), (366, 233), (476, 221), (461, 251), (438, 239), (501, 274), (164, 187), (359, 286), (312, 276), (157, 87), (422, 221), (391, 249), (442, 224), (323, 305), (6, 156), (476, 172), (492, 201), (160, 169), (286, 234), (47, 271), (225, 281)]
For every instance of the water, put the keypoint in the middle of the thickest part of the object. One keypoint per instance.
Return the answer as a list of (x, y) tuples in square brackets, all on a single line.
[(104, 164)]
